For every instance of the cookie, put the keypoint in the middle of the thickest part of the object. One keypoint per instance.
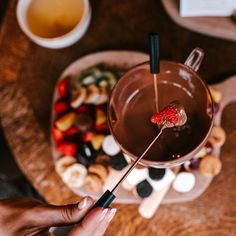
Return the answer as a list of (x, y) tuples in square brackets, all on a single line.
[(144, 189), (93, 183), (109, 146), (75, 175), (184, 182), (217, 137), (118, 162), (156, 174), (210, 166), (99, 170), (63, 163)]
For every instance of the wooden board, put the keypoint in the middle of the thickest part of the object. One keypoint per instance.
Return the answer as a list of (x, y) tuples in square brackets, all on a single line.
[(220, 27)]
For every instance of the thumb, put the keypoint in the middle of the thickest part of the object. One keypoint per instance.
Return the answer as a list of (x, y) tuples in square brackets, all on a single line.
[(65, 215)]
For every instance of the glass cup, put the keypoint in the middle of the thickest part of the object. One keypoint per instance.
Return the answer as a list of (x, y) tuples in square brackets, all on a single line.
[(132, 103)]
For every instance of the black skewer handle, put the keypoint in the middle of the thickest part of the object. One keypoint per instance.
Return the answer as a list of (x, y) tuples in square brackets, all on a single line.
[(154, 53), (105, 200)]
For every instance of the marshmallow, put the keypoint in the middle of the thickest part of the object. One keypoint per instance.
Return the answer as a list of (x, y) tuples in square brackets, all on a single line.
[(184, 182), (136, 176), (109, 146)]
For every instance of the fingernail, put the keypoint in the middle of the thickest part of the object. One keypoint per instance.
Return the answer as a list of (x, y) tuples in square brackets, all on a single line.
[(104, 213), (110, 214), (83, 203)]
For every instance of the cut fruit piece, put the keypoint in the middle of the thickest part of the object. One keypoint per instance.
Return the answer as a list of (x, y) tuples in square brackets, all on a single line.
[(57, 134), (216, 95), (78, 97), (63, 163), (71, 131), (75, 175), (88, 136), (103, 96), (111, 79), (62, 87), (67, 148), (66, 121), (92, 94), (100, 117), (97, 141), (60, 107)]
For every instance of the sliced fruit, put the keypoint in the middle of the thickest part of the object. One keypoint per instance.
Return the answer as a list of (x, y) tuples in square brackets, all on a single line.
[(62, 87), (67, 148), (216, 95), (110, 78), (82, 108), (88, 136), (75, 175), (63, 163), (100, 117), (66, 121), (102, 127), (97, 141), (92, 94), (103, 96), (88, 80), (60, 107), (78, 97), (58, 135), (71, 131)]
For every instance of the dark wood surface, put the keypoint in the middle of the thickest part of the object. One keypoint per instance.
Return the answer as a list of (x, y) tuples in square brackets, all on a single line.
[(29, 72)]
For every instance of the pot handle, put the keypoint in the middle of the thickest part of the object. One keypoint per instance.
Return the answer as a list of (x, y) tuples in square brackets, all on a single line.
[(194, 60)]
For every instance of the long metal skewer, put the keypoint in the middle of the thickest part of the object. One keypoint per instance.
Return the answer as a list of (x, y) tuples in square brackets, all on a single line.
[(136, 162)]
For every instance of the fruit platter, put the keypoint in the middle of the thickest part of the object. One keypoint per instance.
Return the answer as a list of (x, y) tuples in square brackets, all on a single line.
[(86, 155)]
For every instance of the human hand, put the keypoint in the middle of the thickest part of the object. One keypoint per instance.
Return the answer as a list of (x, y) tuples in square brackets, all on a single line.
[(28, 217)]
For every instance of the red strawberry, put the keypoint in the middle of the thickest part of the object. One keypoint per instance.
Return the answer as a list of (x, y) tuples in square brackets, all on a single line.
[(57, 134), (88, 136), (168, 114), (71, 131), (62, 87), (82, 108), (101, 127), (67, 148), (60, 106)]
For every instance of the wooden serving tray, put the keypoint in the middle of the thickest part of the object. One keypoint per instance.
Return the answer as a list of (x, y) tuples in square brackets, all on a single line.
[(220, 27), (127, 59)]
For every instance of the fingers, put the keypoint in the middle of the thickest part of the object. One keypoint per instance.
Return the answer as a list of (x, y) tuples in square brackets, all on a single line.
[(95, 223), (64, 215)]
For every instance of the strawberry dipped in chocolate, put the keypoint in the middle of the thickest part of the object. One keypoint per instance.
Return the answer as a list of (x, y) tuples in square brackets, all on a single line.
[(172, 115)]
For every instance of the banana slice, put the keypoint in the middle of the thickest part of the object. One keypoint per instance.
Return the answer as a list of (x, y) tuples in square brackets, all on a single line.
[(103, 96), (63, 163), (88, 80), (111, 79), (78, 97), (217, 137), (75, 175), (93, 94)]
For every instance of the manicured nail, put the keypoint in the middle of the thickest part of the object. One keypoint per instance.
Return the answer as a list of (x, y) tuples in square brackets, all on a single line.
[(104, 213), (110, 214), (83, 203)]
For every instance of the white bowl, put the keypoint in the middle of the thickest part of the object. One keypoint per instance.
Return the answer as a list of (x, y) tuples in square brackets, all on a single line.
[(59, 42)]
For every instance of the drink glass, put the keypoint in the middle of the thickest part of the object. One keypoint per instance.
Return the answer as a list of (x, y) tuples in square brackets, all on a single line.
[(132, 104)]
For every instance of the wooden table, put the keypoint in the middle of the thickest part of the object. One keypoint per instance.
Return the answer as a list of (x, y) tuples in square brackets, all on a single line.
[(28, 74)]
